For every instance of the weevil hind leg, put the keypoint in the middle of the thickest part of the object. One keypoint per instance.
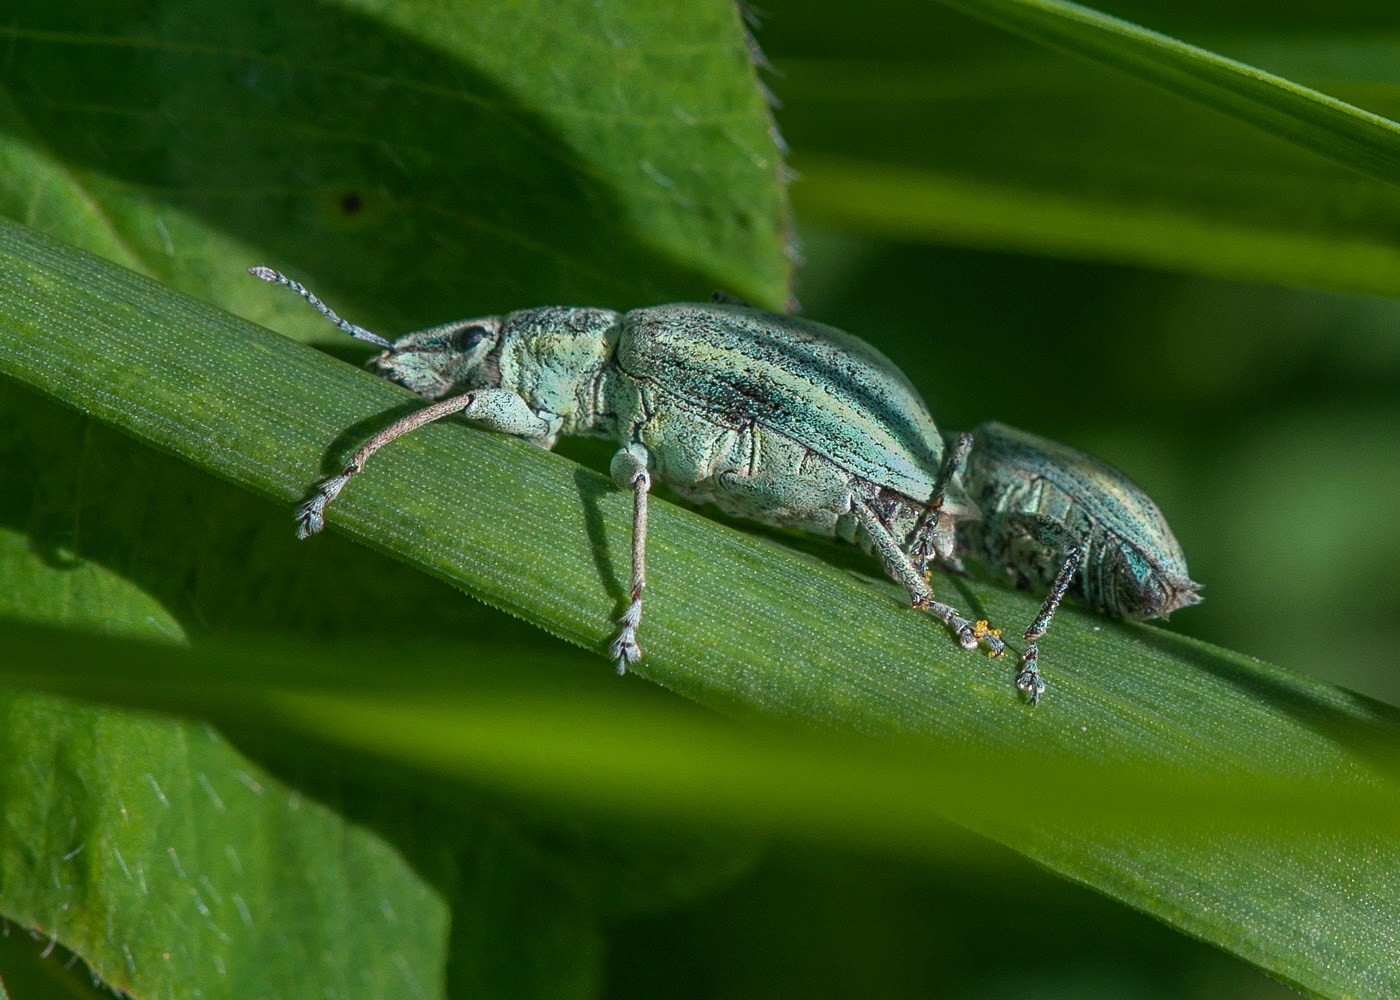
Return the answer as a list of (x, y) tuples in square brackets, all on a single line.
[(1029, 681), (901, 567), (495, 409), (630, 472)]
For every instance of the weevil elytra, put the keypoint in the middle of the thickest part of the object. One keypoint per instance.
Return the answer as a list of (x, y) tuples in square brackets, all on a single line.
[(769, 417), (1054, 517)]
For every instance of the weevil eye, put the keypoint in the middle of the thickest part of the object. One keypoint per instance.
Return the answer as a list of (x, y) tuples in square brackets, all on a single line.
[(469, 337)]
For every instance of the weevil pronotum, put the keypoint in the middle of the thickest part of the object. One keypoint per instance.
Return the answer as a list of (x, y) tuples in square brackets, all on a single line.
[(781, 420)]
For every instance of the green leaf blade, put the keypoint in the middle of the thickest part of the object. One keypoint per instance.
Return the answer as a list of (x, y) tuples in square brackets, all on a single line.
[(744, 625)]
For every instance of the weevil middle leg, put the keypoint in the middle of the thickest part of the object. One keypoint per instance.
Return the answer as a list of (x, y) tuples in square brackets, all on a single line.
[(900, 566), (1029, 680), (629, 471), (495, 409)]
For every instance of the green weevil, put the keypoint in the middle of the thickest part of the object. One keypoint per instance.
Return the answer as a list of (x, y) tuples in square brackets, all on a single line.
[(1054, 517), (769, 417)]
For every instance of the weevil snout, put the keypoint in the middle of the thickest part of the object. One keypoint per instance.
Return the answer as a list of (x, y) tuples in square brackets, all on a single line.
[(433, 362)]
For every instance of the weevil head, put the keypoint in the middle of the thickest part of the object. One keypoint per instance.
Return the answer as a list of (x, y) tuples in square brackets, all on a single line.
[(443, 359), (1140, 588), (550, 356)]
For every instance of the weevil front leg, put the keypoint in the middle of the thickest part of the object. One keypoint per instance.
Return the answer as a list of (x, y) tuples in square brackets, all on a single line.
[(495, 409), (1029, 681), (902, 568), (629, 472)]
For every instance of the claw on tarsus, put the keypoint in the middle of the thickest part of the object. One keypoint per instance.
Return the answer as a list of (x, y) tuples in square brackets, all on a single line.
[(624, 648), (1028, 681), (311, 515)]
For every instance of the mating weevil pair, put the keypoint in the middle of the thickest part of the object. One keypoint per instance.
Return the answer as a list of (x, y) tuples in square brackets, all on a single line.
[(789, 422)]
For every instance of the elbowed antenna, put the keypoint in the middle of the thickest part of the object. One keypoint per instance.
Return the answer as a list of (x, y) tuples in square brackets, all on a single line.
[(358, 332)]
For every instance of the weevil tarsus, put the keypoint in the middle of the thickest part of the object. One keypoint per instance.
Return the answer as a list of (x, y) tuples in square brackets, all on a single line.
[(358, 332), (900, 566), (1029, 680), (629, 471), (311, 514)]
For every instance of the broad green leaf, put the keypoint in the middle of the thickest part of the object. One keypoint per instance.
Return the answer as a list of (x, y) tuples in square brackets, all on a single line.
[(983, 140), (219, 906), (417, 161), (743, 624), (165, 858)]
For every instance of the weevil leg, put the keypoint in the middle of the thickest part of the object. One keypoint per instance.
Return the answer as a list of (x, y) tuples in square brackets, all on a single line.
[(1029, 680), (629, 471), (902, 568), (924, 550), (495, 409)]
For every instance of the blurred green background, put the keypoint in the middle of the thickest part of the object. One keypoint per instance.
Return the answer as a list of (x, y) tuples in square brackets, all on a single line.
[(1140, 326), (1265, 421)]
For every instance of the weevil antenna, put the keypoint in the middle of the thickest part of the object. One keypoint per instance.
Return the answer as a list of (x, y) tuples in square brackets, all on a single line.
[(358, 332)]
